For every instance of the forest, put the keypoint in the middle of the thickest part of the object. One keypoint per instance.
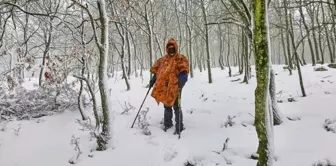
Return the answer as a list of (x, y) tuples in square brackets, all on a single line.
[(75, 74)]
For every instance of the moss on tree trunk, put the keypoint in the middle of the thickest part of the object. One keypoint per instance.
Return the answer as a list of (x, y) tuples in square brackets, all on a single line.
[(261, 92)]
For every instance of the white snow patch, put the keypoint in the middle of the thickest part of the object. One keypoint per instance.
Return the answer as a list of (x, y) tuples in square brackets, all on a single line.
[(304, 142)]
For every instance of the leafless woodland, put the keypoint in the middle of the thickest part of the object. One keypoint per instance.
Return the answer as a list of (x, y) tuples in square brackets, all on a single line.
[(64, 42)]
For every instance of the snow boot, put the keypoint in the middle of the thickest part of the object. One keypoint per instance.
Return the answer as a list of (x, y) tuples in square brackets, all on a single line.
[(178, 132), (178, 121), (165, 128), (168, 119)]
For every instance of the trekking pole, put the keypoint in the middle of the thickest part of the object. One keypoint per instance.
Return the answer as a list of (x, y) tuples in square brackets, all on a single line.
[(141, 105), (179, 125), (180, 112)]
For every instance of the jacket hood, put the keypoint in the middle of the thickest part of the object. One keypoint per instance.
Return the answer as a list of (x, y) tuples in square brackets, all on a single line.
[(173, 42)]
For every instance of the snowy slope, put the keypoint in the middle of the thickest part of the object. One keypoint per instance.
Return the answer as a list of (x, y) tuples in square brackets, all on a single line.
[(206, 107)]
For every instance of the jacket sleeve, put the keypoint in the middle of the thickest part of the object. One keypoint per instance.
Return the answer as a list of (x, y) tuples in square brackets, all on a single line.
[(183, 65), (156, 66)]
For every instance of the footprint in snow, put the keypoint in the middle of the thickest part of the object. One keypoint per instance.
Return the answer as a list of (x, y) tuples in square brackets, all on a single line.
[(152, 141), (169, 154)]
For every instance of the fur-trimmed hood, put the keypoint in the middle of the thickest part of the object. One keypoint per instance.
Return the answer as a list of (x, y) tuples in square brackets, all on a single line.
[(172, 42)]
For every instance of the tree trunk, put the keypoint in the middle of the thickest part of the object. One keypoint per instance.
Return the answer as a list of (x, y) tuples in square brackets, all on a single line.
[(333, 31), (46, 50), (102, 83), (135, 56), (150, 39), (200, 56), (326, 31), (129, 71), (308, 34), (25, 37), (241, 54), (123, 32), (220, 58), (297, 60), (303, 45), (278, 117), (263, 113), (80, 94), (312, 18), (289, 54), (207, 42), (320, 42), (80, 97), (246, 59), (240, 61), (190, 33), (141, 62), (279, 54), (316, 45), (191, 53), (228, 53), (204, 59), (178, 24), (283, 46)]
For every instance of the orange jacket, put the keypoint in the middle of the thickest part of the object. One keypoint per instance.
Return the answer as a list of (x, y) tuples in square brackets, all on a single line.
[(167, 69)]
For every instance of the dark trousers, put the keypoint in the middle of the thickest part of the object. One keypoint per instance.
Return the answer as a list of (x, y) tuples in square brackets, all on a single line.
[(168, 115)]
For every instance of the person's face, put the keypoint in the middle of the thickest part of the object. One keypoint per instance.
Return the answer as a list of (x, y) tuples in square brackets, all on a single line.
[(171, 50)]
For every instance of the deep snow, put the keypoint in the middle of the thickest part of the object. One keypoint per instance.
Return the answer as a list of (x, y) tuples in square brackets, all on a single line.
[(46, 141)]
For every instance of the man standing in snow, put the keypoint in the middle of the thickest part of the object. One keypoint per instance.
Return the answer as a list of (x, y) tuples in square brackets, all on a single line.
[(170, 75)]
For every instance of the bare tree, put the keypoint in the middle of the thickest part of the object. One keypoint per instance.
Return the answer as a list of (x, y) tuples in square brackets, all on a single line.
[(103, 47)]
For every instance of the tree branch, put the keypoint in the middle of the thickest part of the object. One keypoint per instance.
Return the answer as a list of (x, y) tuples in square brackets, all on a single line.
[(92, 20), (26, 12)]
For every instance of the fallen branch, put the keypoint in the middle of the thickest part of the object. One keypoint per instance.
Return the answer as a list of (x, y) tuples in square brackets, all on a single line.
[(238, 79), (225, 146), (327, 76), (126, 108), (75, 142)]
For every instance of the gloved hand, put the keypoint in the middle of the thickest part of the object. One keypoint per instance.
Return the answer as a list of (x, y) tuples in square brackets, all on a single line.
[(152, 81), (182, 79)]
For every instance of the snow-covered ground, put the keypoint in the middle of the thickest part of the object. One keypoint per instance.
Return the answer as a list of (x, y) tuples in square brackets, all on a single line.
[(46, 141)]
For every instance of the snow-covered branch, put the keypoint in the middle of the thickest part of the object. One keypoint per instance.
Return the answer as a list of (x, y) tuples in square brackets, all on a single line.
[(92, 20)]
